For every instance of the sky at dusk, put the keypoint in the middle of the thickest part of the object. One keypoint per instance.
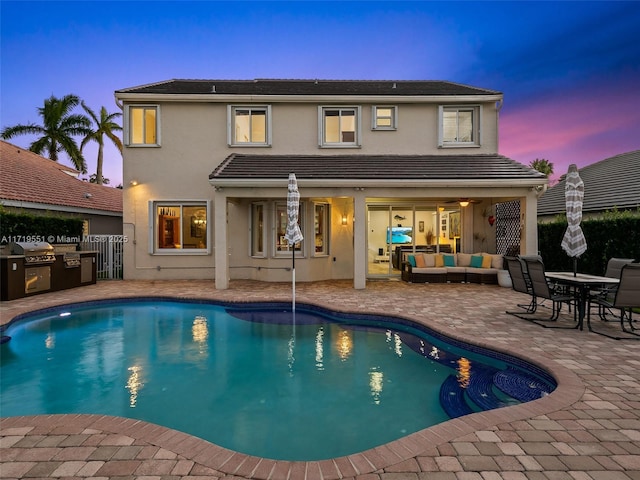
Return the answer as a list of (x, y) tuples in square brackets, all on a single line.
[(569, 71)]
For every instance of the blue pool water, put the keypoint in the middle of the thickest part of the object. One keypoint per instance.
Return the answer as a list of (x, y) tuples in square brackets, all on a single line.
[(253, 377)]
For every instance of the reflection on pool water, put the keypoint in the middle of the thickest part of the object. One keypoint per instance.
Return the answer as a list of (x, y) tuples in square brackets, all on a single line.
[(254, 378)]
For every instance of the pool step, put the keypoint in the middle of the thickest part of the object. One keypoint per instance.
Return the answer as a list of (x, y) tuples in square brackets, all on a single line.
[(521, 385), (480, 390), (452, 398)]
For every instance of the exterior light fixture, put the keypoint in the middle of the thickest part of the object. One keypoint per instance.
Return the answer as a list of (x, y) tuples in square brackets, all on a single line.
[(344, 219), (133, 182), (464, 203)]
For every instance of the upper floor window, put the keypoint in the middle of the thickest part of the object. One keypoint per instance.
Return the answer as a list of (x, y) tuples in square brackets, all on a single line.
[(143, 123), (459, 126), (250, 126), (340, 126), (180, 227), (383, 118)]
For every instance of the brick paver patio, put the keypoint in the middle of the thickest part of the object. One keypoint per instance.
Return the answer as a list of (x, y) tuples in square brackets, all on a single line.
[(589, 428)]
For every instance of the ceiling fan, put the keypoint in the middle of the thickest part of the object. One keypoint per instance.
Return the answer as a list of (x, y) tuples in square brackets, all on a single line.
[(463, 202)]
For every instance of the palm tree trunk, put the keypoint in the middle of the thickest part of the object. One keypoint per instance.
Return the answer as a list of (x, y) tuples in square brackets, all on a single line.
[(99, 165)]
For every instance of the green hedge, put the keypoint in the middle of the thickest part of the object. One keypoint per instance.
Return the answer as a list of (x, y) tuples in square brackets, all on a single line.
[(39, 228), (616, 235)]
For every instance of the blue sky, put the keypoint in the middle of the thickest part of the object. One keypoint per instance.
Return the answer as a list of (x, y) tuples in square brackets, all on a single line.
[(569, 70)]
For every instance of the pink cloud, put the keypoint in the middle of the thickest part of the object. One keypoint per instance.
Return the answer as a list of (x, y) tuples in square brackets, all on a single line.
[(584, 126)]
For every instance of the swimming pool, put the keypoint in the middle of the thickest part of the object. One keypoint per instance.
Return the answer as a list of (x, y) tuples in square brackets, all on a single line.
[(250, 378)]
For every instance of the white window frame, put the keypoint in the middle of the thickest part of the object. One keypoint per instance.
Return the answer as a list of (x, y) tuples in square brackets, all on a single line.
[(321, 126), (254, 230), (321, 229), (231, 124), (128, 129), (284, 252), (178, 204), (476, 120), (393, 117)]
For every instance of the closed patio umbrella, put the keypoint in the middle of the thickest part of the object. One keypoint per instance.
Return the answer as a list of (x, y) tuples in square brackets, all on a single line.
[(573, 241), (293, 233)]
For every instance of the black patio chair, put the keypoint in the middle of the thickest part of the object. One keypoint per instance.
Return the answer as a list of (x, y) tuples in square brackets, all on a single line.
[(607, 293), (627, 297), (520, 283), (542, 288)]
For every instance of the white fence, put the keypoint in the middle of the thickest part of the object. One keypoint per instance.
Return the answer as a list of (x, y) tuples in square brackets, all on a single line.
[(110, 253)]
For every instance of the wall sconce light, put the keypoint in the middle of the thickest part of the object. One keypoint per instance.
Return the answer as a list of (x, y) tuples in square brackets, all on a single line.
[(344, 219), (133, 182), (464, 203), (441, 209)]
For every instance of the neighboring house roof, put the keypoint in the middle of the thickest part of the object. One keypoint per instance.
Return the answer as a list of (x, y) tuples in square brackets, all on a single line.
[(309, 87), (30, 181), (379, 169), (610, 183)]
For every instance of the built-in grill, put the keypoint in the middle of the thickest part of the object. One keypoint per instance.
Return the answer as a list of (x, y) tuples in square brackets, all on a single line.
[(71, 259), (35, 253)]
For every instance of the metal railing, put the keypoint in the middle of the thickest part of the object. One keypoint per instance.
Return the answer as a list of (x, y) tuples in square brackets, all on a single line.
[(110, 254)]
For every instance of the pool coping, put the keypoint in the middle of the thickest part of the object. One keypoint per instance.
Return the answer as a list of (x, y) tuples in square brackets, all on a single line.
[(569, 390)]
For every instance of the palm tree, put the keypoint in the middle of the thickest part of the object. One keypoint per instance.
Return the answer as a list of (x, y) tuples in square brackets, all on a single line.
[(56, 133), (105, 125), (543, 166)]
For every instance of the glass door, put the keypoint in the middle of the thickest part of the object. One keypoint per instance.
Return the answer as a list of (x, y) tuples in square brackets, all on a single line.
[(390, 233)]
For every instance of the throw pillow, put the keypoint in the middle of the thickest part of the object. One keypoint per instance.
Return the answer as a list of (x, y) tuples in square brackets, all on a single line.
[(464, 259), (412, 260), (429, 259), (439, 260), (449, 260), (419, 261), (486, 261), (476, 261), (497, 261)]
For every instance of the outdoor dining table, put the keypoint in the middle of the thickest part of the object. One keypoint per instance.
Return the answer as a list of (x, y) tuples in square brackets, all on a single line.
[(582, 284)]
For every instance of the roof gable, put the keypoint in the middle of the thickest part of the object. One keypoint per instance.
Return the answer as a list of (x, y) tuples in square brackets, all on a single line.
[(610, 183), (28, 177)]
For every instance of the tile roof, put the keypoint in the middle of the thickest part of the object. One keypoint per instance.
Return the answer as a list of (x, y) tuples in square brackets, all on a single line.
[(380, 168), (613, 182), (27, 177), (309, 87)]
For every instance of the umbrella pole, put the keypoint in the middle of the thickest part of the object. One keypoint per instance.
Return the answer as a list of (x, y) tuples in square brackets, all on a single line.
[(575, 266), (293, 282)]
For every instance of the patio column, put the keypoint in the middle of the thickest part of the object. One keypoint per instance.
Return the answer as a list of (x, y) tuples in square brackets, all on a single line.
[(529, 224), (221, 256), (360, 240)]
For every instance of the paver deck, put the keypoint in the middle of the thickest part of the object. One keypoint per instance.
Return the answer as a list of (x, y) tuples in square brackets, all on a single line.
[(588, 429)]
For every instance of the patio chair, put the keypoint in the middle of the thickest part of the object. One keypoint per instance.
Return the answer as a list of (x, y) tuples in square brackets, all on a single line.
[(520, 283), (608, 293), (545, 290), (627, 297)]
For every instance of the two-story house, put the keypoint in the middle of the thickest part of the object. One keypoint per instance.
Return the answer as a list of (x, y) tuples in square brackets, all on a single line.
[(382, 166)]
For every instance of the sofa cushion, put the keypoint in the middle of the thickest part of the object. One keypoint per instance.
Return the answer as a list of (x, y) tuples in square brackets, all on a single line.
[(439, 260), (412, 260), (486, 261), (476, 261), (497, 261), (419, 259), (464, 259), (449, 260), (428, 270), (429, 259)]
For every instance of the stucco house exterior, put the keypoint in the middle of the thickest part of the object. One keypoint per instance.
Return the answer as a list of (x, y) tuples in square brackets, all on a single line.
[(383, 167)]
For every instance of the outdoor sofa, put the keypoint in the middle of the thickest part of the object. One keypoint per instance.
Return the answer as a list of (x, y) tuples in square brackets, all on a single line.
[(454, 267)]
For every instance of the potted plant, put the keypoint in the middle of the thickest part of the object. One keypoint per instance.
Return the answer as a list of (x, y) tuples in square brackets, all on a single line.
[(429, 236)]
